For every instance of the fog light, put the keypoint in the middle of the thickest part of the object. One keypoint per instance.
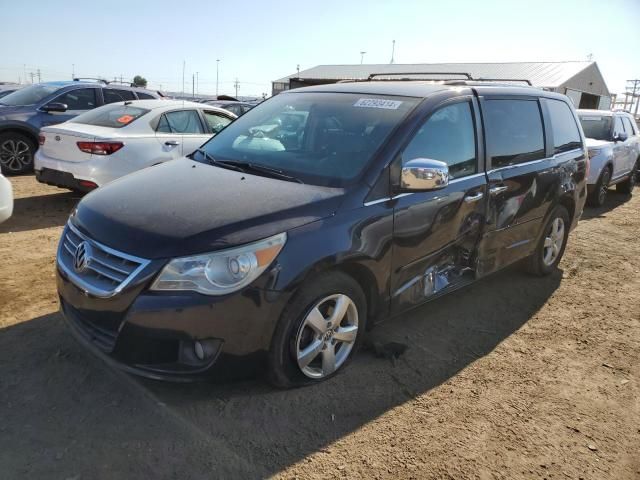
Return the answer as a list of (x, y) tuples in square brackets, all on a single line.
[(199, 350)]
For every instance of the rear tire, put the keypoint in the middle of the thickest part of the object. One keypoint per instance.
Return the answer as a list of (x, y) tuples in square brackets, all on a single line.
[(310, 345), (550, 249), (599, 194), (16, 153), (627, 186)]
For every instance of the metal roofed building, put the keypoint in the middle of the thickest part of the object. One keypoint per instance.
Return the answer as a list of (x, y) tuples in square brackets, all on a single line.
[(580, 81)]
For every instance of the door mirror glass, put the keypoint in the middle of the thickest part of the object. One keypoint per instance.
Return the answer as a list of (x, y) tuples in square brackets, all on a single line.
[(620, 137), (55, 107), (424, 174)]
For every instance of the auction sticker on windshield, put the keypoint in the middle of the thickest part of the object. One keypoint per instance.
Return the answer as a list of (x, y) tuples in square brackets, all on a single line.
[(378, 103)]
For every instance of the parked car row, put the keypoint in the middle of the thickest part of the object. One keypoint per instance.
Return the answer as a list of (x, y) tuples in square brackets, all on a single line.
[(101, 145), (24, 112)]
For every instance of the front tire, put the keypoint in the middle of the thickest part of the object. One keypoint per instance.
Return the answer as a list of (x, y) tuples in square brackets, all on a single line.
[(599, 194), (550, 248), (16, 153), (319, 331), (627, 186)]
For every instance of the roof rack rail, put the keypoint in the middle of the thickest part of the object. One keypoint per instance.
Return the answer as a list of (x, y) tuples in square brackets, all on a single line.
[(524, 80), (373, 75), (130, 84), (78, 79)]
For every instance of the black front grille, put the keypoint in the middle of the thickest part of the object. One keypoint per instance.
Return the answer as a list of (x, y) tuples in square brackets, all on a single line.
[(102, 332)]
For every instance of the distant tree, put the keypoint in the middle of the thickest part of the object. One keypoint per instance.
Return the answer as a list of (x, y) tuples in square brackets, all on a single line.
[(139, 81)]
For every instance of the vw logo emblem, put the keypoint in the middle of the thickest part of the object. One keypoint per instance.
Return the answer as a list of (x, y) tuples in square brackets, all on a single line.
[(82, 257), (57, 138)]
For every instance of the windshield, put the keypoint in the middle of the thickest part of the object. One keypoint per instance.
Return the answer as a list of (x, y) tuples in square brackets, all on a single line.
[(320, 138), (597, 127), (29, 95), (113, 115)]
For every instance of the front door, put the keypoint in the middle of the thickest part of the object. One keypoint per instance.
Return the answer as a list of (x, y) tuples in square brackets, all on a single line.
[(77, 101), (620, 149), (436, 233)]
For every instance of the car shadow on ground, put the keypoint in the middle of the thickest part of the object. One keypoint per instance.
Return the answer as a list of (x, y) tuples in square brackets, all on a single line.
[(613, 201), (58, 401), (42, 211)]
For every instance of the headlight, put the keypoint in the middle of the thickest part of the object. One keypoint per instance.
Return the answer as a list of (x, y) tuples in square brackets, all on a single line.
[(222, 272)]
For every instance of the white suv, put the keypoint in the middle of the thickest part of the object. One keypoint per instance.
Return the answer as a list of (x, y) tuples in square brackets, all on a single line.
[(614, 151)]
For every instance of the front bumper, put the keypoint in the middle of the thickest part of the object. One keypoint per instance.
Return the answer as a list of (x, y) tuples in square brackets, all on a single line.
[(154, 334)]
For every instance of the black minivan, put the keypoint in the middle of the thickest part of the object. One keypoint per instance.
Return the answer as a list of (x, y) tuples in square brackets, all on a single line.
[(315, 215)]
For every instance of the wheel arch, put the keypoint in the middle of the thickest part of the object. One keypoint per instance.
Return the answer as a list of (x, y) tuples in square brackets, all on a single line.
[(27, 131)]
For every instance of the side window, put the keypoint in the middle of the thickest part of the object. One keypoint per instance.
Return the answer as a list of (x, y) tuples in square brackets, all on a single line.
[(79, 99), (448, 135), (111, 95), (145, 96), (566, 135), (617, 125), (216, 121), (628, 127), (183, 121), (514, 132), (163, 125)]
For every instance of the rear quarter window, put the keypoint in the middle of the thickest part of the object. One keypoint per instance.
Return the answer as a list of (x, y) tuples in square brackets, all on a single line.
[(114, 116), (566, 135)]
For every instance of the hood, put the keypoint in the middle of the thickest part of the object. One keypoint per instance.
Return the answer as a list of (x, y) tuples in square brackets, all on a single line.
[(185, 207), (593, 143), (10, 110)]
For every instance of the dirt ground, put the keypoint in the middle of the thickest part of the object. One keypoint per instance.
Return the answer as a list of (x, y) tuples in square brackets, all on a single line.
[(514, 377)]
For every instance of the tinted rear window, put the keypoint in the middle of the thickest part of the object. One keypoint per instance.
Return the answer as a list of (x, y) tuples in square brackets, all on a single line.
[(596, 126), (145, 96), (514, 131), (112, 95), (566, 135), (114, 116)]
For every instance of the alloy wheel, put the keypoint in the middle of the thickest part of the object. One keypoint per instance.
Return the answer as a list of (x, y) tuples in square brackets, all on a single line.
[(327, 336), (604, 186), (15, 155), (553, 241)]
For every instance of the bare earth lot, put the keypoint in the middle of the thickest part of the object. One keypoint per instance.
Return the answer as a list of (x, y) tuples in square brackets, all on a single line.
[(515, 377)]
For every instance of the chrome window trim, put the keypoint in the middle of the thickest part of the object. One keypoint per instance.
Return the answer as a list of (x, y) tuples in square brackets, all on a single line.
[(84, 286), (405, 194)]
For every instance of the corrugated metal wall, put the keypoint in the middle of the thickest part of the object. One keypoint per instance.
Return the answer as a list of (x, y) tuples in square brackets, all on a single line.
[(588, 80)]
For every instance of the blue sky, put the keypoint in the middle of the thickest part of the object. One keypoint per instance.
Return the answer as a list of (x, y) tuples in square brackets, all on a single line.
[(259, 41)]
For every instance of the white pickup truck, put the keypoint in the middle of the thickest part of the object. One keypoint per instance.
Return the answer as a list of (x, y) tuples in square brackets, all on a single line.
[(614, 150)]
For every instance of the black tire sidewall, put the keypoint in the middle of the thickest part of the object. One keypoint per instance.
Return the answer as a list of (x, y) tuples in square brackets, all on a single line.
[(606, 172), (283, 369), (32, 149)]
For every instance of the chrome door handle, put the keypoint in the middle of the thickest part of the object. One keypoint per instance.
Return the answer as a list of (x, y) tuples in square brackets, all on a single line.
[(496, 190), (473, 198), (172, 143)]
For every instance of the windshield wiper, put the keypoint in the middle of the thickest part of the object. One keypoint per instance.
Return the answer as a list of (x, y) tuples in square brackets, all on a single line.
[(262, 169), (219, 163)]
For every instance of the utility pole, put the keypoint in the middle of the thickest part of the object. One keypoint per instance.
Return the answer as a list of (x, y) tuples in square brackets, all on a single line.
[(298, 68), (39, 77), (362, 57), (193, 86), (183, 65), (393, 51), (73, 71), (237, 86), (217, 71), (32, 75), (24, 70), (197, 83)]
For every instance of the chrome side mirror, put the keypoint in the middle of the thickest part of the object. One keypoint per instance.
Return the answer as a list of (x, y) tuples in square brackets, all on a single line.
[(424, 174)]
